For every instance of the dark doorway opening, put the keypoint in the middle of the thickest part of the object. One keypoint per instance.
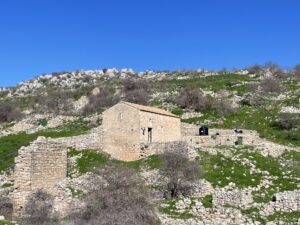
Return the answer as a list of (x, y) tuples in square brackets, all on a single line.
[(149, 135)]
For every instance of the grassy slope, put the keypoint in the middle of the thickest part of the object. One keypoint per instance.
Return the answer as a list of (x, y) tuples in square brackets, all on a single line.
[(9, 145)]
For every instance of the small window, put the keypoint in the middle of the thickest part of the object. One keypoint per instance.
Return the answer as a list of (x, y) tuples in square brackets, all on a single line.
[(121, 116)]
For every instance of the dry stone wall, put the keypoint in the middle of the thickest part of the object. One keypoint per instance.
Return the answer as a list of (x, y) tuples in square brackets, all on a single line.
[(42, 165)]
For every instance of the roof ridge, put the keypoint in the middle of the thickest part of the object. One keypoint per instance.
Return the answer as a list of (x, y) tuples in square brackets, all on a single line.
[(150, 109)]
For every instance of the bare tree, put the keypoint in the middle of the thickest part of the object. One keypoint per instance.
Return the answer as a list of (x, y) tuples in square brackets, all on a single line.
[(116, 196), (179, 172), (38, 208), (9, 112), (256, 69), (270, 85), (54, 101), (288, 121), (192, 98), (6, 207), (105, 98), (223, 106), (297, 71), (136, 91)]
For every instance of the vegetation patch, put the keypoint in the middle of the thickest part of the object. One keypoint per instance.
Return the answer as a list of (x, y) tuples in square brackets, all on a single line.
[(220, 171), (169, 208)]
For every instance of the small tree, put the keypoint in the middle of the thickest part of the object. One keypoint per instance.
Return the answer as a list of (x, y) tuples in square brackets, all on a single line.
[(116, 196), (256, 69), (223, 107), (105, 98), (6, 207), (288, 121), (9, 112), (179, 172), (270, 85), (193, 99), (38, 208), (136, 91)]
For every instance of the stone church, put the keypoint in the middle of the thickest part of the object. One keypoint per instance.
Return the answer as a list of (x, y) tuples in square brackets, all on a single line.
[(127, 127)]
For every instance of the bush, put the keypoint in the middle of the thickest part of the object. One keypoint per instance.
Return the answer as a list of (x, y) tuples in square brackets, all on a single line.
[(105, 98), (297, 71), (270, 85), (193, 99), (6, 207), (38, 208), (288, 121), (56, 102), (9, 112), (223, 107), (136, 91), (256, 69), (116, 196), (179, 172)]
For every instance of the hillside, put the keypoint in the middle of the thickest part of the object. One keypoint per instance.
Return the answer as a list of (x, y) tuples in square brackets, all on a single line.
[(238, 184)]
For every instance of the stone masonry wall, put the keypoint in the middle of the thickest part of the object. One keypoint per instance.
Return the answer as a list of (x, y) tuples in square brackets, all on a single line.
[(42, 165)]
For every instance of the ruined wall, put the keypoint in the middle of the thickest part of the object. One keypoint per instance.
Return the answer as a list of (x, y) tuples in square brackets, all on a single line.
[(161, 147), (218, 137), (164, 128), (121, 130), (92, 140), (42, 165)]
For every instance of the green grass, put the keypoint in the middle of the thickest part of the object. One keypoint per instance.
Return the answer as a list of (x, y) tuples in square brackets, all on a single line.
[(170, 210), (250, 118), (220, 171), (274, 167), (286, 217), (230, 82), (207, 201), (89, 160), (9, 145)]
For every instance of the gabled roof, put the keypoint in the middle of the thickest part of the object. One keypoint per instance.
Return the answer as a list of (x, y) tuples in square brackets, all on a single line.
[(150, 109)]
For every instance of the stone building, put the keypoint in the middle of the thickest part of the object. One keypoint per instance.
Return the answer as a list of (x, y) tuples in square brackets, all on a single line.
[(128, 129)]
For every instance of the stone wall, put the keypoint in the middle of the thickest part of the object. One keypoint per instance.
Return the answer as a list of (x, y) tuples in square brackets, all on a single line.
[(41, 165), (161, 147), (92, 140), (235, 197), (218, 137), (164, 128), (121, 130)]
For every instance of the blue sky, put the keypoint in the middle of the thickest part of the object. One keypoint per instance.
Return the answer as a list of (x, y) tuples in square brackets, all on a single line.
[(53, 35)]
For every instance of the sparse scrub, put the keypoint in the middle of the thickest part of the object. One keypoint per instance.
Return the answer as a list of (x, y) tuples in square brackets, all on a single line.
[(9, 112), (180, 172), (6, 207), (38, 209), (105, 98), (192, 98), (136, 91), (270, 85), (117, 196)]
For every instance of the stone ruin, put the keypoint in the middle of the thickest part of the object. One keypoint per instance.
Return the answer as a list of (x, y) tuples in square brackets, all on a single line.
[(40, 166)]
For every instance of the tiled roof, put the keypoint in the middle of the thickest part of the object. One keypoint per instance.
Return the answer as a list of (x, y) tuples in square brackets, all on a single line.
[(150, 109)]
